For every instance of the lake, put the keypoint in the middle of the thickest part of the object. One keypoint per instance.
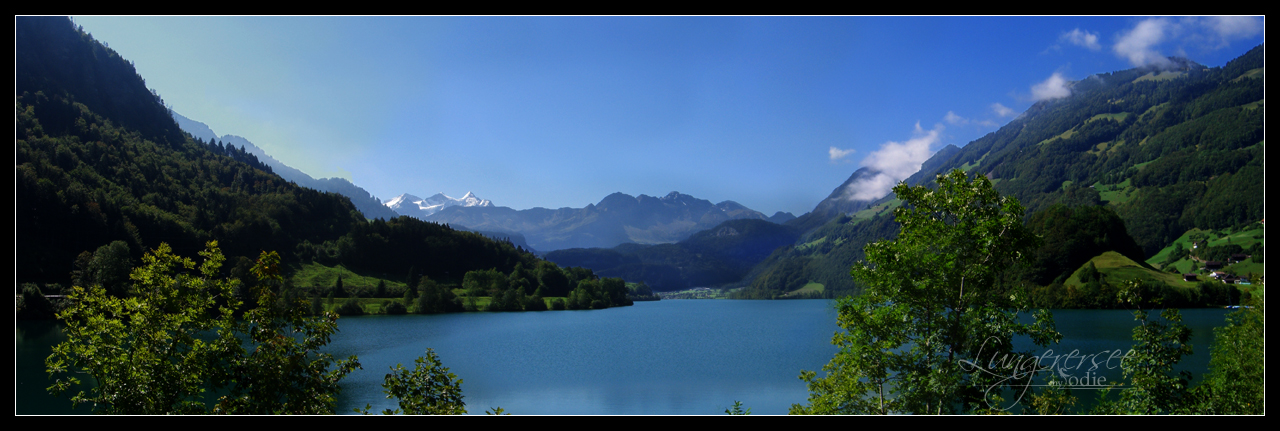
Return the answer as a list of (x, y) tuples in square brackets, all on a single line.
[(676, 357)]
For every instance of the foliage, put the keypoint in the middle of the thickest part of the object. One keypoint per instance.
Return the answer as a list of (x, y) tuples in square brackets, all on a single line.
[(351, 307), (1072, 236), (737, 409), (32, 305), (338, 291), (934, 306), (147, 353), (1152, 389), (175, 341), (428, 389), (317, 305), (1235, 384), (436, 298), (285, 372), (109, 267), (393, 307), (1055, 399), (641, 292)]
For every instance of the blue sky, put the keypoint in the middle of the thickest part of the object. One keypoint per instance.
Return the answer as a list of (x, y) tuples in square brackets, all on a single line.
[(770, 112)]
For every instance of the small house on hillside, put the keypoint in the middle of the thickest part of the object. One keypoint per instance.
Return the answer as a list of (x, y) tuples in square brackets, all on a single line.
[(1239, 257), (1213, 264), (1188, 277)]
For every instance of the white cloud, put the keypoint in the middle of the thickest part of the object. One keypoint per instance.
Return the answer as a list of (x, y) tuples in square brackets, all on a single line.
[(954, 119), (1053, 88), (837, 154), (894, 162), (1002, 110), (1227, 28), (1138, 44), (1081, 38)]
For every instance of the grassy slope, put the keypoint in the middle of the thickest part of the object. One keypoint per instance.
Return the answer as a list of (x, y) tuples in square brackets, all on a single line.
[(1244, 238), (317, 275), (811, 287), (1115, 267)]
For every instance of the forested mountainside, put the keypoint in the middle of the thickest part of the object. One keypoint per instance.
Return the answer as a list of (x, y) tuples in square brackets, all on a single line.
[(720, 255), (100, 159), (366, 203), (1166, 150)]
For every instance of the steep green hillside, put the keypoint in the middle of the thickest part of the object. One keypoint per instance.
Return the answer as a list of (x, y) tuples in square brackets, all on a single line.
[(716, 256), (1177, 150), (100, 159), (1189, 252)]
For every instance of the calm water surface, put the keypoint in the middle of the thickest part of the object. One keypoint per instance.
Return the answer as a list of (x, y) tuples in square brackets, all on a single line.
[(667, 357)]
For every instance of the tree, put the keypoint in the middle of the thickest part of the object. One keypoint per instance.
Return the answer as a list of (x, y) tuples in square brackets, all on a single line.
[(936, 308), (338, 290), (1152, 388), (110, 267), (1235, 384), (175, 340), (429, 389), (143, 352), (285, 372), (737, 409)]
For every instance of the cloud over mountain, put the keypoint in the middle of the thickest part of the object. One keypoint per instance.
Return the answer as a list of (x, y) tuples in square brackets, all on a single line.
[(1053, 88), (1138, 45), (894, 162), (1141, 44), (1002, 110)]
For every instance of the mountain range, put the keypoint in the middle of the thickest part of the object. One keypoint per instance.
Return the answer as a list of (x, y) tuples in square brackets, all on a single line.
[(1168, 151), (413, 206), (617, 219)]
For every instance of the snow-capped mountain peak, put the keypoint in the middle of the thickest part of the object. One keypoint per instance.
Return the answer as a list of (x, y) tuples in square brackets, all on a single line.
[(413, 206), (401, 200)]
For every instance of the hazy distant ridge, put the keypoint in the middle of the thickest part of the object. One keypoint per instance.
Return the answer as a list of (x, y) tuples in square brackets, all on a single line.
[(617, 219), (368, 205)]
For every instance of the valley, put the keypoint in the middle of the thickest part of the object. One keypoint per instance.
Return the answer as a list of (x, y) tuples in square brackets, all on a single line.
[(1124, 192)]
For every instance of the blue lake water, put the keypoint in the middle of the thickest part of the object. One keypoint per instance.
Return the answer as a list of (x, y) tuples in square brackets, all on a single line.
[(679, 357)]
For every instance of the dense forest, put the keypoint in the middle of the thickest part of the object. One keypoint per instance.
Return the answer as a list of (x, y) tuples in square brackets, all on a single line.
[(104, 175)]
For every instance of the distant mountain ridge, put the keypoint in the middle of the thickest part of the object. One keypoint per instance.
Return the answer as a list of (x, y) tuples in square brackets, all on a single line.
[(617, 219), (716, 256), (368, 205)]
